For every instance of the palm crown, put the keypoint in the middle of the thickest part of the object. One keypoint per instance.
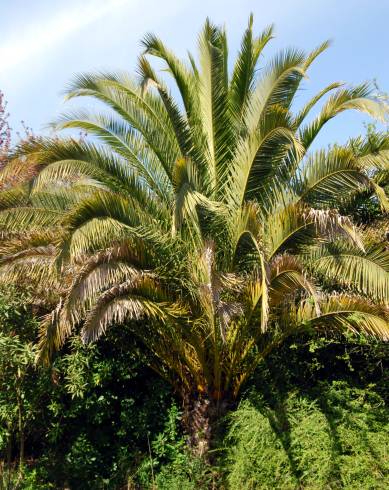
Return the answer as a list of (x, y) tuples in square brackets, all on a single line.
[(205, 217)]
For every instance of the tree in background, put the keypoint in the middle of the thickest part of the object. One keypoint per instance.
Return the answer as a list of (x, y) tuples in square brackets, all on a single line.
[(5, 131), (17, 356), (207, 222)]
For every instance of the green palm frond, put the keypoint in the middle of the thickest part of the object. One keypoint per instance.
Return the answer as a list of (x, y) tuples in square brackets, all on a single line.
[(143, 111), (214, 104), (303, 113), (252, 165), (183, 77), (17, 195), (288, 279), (280, 82), (20, 219), (365, 272), (343, 312), (148, 162), (360, 98), (243, 76), (177, 119), (325, 174)]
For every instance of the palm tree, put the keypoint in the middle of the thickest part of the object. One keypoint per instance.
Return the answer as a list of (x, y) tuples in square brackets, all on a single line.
[(206, 222)]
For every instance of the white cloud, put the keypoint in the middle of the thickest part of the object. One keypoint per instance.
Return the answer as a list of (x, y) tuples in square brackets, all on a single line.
[(46, 33)]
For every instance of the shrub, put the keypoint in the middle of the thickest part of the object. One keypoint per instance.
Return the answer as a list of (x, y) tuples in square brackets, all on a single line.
[(333, 437), (170, 465)]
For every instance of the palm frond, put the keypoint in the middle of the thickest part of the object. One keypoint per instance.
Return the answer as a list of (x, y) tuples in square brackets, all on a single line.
[(294, 227), (122, 301), (364, 272), (214, 101), (360, 98), (289, 279), (184, 78), (308, 106), (347, 313), (243, 76)]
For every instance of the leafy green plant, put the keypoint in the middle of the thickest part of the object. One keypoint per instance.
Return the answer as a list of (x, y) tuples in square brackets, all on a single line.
[(169, 464), (17, 357), (11, 479), (104, 405)]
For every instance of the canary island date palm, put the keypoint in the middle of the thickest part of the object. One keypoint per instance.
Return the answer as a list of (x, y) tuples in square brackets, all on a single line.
[(200, 216)]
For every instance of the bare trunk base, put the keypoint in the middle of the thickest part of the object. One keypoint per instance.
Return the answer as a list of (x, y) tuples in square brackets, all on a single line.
[(201, 419)]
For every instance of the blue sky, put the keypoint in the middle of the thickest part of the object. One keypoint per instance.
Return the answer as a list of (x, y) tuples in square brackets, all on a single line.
[(44, 42)]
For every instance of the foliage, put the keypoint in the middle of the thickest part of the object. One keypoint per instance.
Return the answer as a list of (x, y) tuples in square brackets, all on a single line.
[(10, 479), (169, 464), (364, 207), (333, 437), (17, 357), (100, 413), (86, 417), (206, 223), (314, 415)]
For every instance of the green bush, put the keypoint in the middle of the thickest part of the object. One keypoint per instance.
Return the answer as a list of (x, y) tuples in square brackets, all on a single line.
[(333, 437), (21, 479), (169, 464), (86, 417), (100, 412)]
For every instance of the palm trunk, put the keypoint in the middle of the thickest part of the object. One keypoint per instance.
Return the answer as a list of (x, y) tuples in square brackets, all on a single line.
[(201, 420)]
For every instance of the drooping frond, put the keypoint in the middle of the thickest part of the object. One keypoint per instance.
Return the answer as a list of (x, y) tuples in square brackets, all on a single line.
[(35, 263), (30, 219), (53, 333), (128, 300), (343, 312), (144, 112), (86, 288), (14, 196), (289, 279), (364, 272), (359, 98), (328, 177), (293, 227)]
